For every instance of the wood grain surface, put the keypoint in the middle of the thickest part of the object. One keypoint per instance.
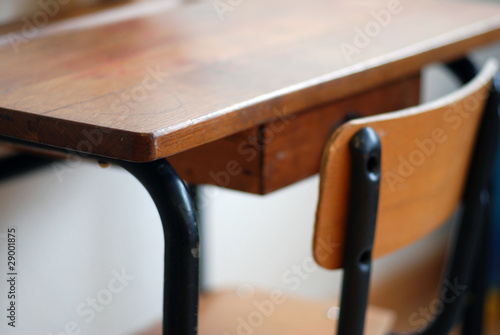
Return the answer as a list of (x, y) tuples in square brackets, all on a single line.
[(426, 152), (221, 313), (157, 85)]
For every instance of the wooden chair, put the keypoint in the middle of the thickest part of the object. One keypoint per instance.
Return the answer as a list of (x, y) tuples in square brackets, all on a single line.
[(391, 178), (421, 163)]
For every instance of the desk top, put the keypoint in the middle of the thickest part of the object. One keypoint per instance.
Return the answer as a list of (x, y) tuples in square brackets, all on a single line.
[(157, 85)]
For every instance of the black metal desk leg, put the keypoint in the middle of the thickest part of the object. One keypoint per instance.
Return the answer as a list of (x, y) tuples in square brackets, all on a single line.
[(178, 216)]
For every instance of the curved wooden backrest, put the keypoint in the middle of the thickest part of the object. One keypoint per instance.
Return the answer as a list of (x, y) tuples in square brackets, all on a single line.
[(425, 158)]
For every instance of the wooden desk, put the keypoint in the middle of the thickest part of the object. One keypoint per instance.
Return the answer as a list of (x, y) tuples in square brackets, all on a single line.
[(246, 102), (184, 82)]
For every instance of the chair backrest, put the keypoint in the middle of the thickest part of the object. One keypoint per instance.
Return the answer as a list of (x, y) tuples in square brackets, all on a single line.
[(426, 151)]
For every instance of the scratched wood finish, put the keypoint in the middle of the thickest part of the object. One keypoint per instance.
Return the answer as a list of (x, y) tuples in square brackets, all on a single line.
[(425, 158), (220, 313), (159, 85), (289, 148)]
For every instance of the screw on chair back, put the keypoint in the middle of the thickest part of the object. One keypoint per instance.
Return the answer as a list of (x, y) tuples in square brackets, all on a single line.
[(417, 165)]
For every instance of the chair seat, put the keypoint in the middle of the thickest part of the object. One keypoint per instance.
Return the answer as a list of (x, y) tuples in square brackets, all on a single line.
[(264, 313)]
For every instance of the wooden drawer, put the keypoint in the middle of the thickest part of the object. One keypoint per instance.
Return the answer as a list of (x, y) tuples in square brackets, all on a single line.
[(286, 149)]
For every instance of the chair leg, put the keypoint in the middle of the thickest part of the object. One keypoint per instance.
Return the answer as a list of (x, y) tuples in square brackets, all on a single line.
[(360, 231), (178, 216), (474, 313)]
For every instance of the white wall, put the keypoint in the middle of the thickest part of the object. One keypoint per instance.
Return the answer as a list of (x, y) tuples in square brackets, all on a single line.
[(71, 235)]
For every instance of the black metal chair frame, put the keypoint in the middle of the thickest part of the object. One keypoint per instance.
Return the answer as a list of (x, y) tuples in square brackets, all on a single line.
[(468, 244)]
